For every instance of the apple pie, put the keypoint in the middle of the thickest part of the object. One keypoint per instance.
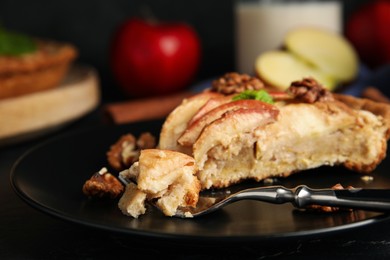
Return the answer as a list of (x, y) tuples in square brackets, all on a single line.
[(304, 128)]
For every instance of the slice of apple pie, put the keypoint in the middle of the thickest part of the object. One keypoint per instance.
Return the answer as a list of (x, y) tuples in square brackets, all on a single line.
[(233, 137)]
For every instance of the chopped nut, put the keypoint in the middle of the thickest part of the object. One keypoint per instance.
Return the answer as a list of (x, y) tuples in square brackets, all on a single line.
[(146, 141), (126, 150), (367, 178), (114, 155), (103, 184), (270, 181), (309, 90), (188, 214), (233, 83)]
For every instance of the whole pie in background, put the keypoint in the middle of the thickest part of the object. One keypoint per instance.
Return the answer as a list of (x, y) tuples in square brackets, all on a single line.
[(29, 64)]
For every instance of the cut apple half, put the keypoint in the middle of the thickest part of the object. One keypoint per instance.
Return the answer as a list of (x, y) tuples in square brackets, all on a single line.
[(193, 131), (230, 126), (329, 52), (280, 68)]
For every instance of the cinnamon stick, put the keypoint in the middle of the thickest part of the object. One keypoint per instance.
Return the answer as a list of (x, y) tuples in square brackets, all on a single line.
[(143, 109)]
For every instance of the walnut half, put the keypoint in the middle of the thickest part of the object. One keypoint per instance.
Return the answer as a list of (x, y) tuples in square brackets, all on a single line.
[(233, 83), (308, 90), (125, 151), (103, 184)]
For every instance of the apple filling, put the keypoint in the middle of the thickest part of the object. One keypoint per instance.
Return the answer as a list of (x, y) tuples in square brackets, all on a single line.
[(164, 178), (305, 136)]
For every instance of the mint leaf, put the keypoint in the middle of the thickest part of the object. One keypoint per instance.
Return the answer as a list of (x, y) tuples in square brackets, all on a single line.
[(260, 95), (15, 44)]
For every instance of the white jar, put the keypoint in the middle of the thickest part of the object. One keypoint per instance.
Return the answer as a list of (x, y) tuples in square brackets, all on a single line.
[(260, 25)]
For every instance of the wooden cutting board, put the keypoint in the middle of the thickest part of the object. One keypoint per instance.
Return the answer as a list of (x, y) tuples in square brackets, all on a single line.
[(33, 115)]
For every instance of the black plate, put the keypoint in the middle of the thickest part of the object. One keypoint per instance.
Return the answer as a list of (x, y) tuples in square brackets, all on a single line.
[(50, 177)]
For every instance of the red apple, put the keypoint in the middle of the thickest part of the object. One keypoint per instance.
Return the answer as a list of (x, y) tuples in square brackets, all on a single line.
[(149, 58), (368, 30), (382, 10)]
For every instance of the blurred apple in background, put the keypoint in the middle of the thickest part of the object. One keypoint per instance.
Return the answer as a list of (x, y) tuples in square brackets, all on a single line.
[(368, 29), (309, 51), (151, 58)]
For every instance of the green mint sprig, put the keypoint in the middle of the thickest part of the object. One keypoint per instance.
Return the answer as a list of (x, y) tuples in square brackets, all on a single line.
[(15, 44), (260, 95)]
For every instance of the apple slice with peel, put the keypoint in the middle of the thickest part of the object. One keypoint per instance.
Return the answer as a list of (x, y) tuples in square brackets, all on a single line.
[(210, 105), (193, 131), (217, 101), (176, 122), (329, 52), (229, 127), (280, 68), (280, 95)]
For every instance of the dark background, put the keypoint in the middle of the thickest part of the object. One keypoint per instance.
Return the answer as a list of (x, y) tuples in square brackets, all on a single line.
[(90, 24)]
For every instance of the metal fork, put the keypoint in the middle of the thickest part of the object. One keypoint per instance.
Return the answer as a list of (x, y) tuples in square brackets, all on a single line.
[(301, 197)]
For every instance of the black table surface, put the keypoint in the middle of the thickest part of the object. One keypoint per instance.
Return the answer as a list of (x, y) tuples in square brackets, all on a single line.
[(26, 233)]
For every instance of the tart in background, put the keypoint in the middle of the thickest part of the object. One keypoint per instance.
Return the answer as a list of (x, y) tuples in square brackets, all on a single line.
[(29, 65)]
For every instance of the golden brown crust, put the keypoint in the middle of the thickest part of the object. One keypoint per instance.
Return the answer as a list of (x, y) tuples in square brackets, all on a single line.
[(37, 71), (349, 104), (377, 108)]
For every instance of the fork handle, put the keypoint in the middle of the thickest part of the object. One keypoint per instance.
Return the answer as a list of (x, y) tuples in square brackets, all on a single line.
[(365, 199), (303, 196)]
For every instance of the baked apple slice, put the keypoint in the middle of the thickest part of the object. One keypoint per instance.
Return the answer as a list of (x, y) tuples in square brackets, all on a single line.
[(210, 105), (193, 131), (176, 122)]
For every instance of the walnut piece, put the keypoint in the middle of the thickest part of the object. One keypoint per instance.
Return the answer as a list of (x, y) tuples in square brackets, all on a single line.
[(125, 151), (146, 141), (233, 83), (103, 184), (310, 91)]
